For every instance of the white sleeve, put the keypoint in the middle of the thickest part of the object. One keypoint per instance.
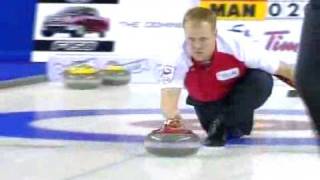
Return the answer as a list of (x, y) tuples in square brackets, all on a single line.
[(173, 71), (255, 56)]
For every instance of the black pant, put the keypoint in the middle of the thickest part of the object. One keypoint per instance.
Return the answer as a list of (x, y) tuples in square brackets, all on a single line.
[(237, 109), (308, 65)]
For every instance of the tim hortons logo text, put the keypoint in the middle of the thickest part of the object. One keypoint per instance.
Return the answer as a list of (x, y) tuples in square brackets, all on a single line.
[(276, 42)]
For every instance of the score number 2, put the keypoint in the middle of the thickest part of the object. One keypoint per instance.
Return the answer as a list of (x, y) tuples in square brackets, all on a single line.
[(286, 10)]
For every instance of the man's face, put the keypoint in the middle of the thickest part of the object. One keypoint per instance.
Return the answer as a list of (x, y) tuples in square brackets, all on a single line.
[(200, 39)]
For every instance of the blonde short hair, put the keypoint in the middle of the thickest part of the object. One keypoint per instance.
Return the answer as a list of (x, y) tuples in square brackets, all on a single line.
[(200, 14)]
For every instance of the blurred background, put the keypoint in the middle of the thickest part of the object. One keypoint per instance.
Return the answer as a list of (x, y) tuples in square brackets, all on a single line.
[(41, 37)]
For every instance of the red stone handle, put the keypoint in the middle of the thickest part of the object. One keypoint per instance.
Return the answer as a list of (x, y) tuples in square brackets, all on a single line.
[(286, 80)]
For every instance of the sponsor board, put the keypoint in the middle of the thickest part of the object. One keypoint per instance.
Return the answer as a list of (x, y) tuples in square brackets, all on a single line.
[(140, 33), (142, 70), (279, 39), (156, 32), (73, 27)]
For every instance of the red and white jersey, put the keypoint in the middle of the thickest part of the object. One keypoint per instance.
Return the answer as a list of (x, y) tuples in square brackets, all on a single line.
[(234, 53), (213, 81)]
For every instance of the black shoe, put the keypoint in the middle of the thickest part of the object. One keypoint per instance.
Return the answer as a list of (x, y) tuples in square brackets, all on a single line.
[(216, 134), (214, 142), (234, 133)]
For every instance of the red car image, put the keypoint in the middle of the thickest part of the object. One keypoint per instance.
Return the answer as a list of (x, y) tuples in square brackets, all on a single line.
[(77, 21)]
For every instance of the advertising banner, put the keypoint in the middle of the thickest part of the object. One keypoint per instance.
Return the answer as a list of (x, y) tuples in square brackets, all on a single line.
[(69, 26), (146, 31)]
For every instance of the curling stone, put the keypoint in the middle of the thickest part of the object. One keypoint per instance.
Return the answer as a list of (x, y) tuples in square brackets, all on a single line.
[(115, 75), (82, 77), (176, 143)]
